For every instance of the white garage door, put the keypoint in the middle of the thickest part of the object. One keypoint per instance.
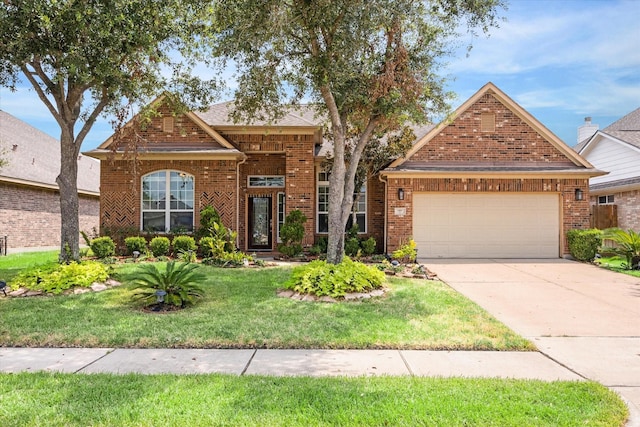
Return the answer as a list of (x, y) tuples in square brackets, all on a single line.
[(454, 225)]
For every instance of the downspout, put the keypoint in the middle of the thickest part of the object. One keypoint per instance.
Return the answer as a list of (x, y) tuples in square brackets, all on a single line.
[(386, 210), (244, 159)]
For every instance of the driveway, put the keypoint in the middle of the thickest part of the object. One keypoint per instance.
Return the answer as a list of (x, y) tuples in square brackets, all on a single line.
[(583, 317)]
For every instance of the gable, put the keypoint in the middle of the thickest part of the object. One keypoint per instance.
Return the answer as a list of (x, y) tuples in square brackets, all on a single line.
[(487, 132), (618, 158)]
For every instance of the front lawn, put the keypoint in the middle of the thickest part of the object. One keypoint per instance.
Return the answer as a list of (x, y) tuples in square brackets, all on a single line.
[(38, 399), (241, 310), (616, 264)]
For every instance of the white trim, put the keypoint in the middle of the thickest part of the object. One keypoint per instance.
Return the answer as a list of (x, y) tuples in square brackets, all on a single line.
[(266, 177), (280, 212), (167, 204)]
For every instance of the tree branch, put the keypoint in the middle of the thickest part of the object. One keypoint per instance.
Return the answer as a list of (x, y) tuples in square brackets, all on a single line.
[(43, 97)]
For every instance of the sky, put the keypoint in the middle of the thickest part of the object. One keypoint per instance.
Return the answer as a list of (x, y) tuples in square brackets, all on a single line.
[(561, 60)]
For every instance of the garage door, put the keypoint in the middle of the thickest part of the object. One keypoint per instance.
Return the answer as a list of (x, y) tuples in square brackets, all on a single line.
[(454, 225)]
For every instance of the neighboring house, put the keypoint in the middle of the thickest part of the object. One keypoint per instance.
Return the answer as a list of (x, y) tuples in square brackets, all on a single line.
[(615, 149), (490, 182), (29, 196)]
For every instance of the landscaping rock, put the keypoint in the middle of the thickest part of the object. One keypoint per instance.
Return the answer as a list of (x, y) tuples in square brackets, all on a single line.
[(98, 287), (285, 294), (112, 283), (78, 291), (33, 293), (18, 292)]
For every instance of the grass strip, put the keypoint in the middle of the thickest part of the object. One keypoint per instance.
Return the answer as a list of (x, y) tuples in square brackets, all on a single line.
[(35, 399)]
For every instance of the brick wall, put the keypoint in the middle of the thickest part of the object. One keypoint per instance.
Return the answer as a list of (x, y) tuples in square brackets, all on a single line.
[(628, 203), (30, 216)]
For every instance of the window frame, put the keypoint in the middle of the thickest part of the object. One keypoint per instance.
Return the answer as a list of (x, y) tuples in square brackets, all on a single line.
[(266, 178), (167, 210), (324, 184), (609, 199)]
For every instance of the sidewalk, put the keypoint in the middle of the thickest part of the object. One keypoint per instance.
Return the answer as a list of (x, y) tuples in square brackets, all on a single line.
[(520, 365)]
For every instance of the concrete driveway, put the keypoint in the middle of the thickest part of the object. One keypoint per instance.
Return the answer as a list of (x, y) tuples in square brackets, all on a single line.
[(583, 317)]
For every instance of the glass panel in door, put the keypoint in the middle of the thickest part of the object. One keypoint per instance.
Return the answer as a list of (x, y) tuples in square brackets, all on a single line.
[(259, 222)]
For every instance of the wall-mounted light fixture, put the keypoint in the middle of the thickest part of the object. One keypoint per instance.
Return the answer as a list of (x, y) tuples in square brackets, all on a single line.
[(579, 194), (400, 194)]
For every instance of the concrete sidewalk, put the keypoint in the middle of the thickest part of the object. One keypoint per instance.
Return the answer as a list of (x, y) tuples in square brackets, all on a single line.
[(488, 364)]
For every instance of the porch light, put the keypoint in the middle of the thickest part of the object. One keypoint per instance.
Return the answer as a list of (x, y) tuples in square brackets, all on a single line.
[(400, 194), (579, 194)]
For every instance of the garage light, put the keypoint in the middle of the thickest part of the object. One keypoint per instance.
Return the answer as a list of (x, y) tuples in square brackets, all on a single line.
[(579, 194), (400, 194)]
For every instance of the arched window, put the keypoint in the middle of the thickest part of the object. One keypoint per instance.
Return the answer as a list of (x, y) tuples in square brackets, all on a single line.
[(167, 201)]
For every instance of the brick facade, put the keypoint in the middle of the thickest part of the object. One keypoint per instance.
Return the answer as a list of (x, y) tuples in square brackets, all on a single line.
[(628, 203), (30, 216)]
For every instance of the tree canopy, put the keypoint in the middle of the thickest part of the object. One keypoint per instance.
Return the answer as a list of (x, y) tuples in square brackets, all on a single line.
[(370, 67), (86, 57)]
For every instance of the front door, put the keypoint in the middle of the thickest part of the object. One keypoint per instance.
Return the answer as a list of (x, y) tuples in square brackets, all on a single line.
[(260, 222)]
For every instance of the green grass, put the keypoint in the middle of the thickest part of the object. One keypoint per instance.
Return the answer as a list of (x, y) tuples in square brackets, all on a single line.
[(11, 265), (615, 263), (30, 399), (241, 310)]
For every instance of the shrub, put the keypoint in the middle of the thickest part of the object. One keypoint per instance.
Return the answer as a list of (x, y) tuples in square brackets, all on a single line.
[(208, 217), (352, 246), (206, 245), (178, 281), (135, 243), (407, 252), (368, 246), (183, 244), (56, 278), (584, 244), (159, 246), (103, 247), (627, 245), (292, 233), (335, 280)]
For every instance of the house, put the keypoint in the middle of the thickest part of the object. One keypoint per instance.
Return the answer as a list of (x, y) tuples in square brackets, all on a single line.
[(616, 148), (490, 182), (29, 196)]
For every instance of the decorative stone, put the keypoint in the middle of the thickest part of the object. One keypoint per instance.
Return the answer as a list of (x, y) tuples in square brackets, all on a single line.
[(309, 298), (327, 299), (98, 287), (285, 294), (18, 292), (78, 291), (112, 283), (33, 293)]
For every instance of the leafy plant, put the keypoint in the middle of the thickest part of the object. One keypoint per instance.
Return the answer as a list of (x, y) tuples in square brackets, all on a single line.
[(407, 252), (352, 246), (584, 244), (188, 256), (159, 246), (135, 244), (179, 282), (368, 246), (183, 244), (56, 278), (335, 280), (627, 244), (103, 247), (292, 233)]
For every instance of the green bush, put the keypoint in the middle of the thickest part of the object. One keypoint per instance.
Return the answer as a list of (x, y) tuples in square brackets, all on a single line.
[(135, 243), (56, 278), (103, 247), (183, 244), (407, 252), (159, 246), (206, 245), (584, 244), (292, 233), (178, 281), (352, 246), (335, 280), (627, 244), (368, 246)]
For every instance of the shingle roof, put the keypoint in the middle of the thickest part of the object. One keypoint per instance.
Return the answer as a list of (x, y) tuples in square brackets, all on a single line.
[(34, 157), (626, 129), (218, 115)]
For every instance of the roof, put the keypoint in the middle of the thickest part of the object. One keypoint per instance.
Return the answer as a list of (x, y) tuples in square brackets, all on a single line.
[(217, 115), (626, 129), (34, 158), (574, 163)]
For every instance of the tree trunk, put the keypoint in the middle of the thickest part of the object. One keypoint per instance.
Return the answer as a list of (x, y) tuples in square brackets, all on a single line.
[(68, 184)]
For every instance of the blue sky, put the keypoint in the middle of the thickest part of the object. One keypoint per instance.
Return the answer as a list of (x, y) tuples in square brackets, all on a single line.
[(561, 60)]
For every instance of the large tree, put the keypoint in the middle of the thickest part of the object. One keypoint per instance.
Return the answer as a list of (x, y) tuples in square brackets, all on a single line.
[(369, 65), (87, 57)]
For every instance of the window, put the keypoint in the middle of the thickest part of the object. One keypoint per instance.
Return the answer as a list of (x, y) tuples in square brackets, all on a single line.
[(606, 200), (359, 206), (177, 214), (281, 206), (266, 181)]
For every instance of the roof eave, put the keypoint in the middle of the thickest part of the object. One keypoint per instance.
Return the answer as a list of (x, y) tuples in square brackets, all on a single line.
[(36, 184), (443, 173), (167, 155)]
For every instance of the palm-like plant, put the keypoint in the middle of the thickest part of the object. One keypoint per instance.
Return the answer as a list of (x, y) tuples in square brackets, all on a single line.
[(627, 244), (177, 285)]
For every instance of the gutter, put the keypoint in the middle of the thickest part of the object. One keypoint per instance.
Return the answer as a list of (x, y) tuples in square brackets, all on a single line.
[(244, 159), (383, 179)]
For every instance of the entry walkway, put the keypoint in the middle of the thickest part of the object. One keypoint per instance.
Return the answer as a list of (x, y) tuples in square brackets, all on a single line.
[(583, 317)]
